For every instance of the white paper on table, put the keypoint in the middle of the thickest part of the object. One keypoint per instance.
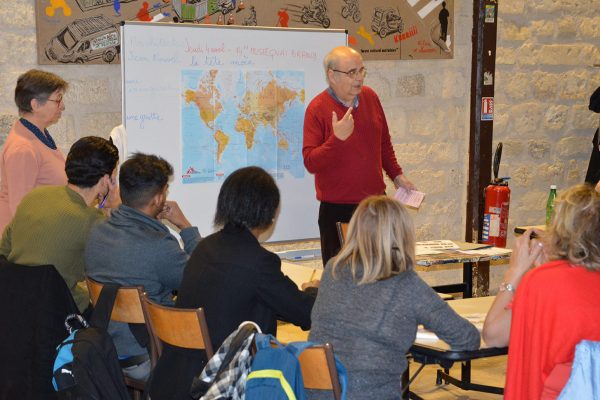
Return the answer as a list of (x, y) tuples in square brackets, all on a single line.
[(300, 274), (492, 251), (411, 198), (420, 251), (434, 247), (425, 335), (476, 319)]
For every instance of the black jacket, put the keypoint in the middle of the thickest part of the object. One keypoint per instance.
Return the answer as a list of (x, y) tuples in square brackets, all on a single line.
[(34, 302), (234, 279)]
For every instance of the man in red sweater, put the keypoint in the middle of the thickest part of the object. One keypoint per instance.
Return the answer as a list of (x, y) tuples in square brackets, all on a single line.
[(346, 145)]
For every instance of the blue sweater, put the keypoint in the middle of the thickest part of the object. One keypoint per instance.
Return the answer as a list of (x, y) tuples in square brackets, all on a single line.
[(133, 249)]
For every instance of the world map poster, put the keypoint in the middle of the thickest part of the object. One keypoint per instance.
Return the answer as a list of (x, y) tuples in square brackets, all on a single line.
[(231, 119)]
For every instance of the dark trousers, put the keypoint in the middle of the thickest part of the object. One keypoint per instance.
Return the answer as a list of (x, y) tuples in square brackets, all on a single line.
[(329, 215)]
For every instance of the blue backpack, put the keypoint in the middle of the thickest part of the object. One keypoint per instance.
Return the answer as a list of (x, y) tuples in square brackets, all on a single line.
[(86, 365), (276, 372)]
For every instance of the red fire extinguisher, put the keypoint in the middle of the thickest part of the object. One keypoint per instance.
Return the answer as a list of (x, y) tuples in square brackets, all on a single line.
[(497, 200)]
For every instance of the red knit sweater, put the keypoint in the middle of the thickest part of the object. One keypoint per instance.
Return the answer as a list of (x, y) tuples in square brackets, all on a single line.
[(555, 307), (348, 171)]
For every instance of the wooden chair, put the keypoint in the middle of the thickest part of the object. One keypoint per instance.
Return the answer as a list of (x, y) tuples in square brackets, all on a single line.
[(319, 370), (181, 327), (342, 229), (127, 309)]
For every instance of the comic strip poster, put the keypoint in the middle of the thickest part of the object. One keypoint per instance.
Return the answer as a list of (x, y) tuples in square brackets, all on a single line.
[(87, 31)]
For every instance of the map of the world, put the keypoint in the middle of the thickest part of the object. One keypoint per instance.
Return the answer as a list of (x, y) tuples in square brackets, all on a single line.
[(232, 119)]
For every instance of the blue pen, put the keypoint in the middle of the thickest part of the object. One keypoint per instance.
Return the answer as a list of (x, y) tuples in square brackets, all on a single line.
[(101, 205)]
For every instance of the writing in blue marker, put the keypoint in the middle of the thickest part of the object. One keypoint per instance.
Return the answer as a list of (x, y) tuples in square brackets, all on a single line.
[(144, 118)]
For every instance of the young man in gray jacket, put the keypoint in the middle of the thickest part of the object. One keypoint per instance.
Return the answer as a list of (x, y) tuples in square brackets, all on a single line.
[(134, 248)]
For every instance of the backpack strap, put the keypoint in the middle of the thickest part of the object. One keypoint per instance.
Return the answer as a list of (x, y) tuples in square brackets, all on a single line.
[(342, 376), (298, 347), (104, 305), (274, 374)]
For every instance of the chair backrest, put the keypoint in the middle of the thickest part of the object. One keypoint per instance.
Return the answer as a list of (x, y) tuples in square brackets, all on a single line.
[(319, 370), (181, 327), (342, 229), (128, 304)]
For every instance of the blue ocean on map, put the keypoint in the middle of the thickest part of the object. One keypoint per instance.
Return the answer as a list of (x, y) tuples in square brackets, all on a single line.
[(232, 119)]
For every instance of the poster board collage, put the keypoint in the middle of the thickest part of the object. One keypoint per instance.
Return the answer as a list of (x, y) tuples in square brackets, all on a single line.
[(87, 31)]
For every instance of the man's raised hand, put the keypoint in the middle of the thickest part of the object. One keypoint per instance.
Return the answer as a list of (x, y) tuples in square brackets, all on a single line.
[(344, 127)]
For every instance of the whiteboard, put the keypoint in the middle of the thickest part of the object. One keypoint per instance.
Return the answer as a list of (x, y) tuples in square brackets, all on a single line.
[(211, 98)]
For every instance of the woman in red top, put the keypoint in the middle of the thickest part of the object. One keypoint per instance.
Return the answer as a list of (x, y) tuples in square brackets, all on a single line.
[(542, 313)]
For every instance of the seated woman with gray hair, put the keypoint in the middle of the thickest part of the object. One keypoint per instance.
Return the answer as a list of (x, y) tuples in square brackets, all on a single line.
[(371, 301), (541, 313)]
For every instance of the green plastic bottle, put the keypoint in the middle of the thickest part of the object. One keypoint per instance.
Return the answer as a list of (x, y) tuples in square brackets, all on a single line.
[(550, 204)]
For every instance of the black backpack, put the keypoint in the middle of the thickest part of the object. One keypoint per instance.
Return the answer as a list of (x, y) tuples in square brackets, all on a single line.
[(87, 366)]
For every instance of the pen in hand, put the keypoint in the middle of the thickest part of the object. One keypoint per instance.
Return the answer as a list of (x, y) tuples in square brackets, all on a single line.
[(101, 205)]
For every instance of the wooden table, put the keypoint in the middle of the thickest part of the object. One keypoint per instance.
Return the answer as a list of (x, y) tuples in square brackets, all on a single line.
[(454, 256)]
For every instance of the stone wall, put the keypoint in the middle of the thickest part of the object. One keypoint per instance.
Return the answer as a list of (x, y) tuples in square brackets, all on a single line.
[(545, 53), (545, 75)]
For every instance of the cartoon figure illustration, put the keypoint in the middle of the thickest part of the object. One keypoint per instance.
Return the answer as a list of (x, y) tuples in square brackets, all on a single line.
[(226, 6), (439, 31), (316, 12), (443, 17), (284, 18), (230, 19), (56, 4), (117, 7), (386, 21), (351, 11), (192, 10), (143, 13), (251, 20)]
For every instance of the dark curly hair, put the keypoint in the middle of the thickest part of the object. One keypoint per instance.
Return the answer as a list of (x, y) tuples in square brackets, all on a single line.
[(89, 159)]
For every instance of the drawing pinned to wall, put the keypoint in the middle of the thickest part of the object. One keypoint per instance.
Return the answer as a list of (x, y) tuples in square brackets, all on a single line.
[(283, 18), (251, 19), (315, 13), (386, 21), (378, 29), (351, 10), (56, 5), (86, 31)]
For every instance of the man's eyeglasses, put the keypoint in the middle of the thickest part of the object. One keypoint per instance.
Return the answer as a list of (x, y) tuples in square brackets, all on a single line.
[(59, 101), (353, 73)]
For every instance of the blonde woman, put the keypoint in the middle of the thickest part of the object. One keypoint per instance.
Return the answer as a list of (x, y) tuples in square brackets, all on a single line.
[(371, 301), (543, 313)]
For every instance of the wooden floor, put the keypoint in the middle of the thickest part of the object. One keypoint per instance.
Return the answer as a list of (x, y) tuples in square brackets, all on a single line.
[(487, 371)]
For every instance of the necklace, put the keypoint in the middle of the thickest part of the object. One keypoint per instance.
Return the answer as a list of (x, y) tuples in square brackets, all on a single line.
[(43, 136)]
